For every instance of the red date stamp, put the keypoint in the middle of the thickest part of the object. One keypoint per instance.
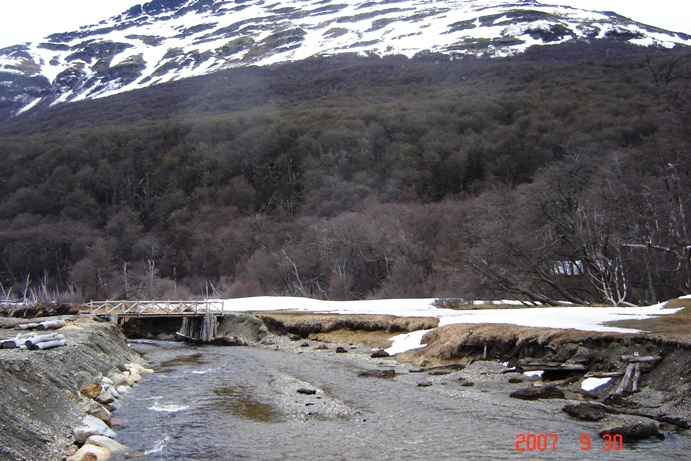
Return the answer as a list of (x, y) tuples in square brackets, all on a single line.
[(545, 442)]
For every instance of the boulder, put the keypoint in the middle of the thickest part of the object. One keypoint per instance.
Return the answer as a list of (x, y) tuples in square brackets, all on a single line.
[(140, 369), (380, 353), (244, 326), (100, 427), (105, 397), (90, 453), (633, 431), (129, 379), (99, 411), (118, 379), (111, 445), (538, 392), (123, 389), (91, 391), (228, 341), (341, 350), (82, 433), (424, 384), (585, 411), (385, 374), (306, 391)]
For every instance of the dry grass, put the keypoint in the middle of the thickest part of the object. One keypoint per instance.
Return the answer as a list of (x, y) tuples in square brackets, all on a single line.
[(372, 339), (674, 327), (366, 330), (324, 323)]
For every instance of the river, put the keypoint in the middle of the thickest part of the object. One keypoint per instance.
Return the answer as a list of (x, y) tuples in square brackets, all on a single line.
[(241, 403)]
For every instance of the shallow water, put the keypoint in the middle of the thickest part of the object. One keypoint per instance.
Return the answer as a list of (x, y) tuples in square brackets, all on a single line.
[(240, 403)]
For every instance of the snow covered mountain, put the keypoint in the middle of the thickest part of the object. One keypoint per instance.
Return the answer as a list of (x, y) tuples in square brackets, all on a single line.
[(166, 40)]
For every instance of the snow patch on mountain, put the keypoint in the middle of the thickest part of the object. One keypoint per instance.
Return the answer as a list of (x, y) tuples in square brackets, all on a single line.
[(166, 40)]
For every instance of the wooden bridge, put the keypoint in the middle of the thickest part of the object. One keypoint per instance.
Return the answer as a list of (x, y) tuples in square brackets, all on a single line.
[(128, 309), (199, 318)]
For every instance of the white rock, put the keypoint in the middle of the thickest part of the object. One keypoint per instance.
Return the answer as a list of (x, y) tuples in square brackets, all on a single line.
[(124, 389), (118, 379), (100, 426), (105, 442), (141, 369), (82, 433)]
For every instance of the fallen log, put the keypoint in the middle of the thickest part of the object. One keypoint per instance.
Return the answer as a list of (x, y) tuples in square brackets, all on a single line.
[(48, 345), (42, 339), (570, 380), (639, 359), (604, 374), (9, 344), (51, 325), (27, 326), (21, 337), (626, 380), (550, 366), (661, 417)]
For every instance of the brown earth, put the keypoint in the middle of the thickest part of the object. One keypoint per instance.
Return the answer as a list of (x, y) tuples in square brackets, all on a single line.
[(367, 330)]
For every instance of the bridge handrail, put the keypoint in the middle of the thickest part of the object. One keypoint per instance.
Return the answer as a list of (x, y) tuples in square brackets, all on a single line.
[(120, 307)]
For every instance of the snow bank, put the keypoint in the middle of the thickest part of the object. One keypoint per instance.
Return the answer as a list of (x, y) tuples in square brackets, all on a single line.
[(579, 318)]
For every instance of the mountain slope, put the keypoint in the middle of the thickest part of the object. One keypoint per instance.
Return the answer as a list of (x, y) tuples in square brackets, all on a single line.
[(166, 40)]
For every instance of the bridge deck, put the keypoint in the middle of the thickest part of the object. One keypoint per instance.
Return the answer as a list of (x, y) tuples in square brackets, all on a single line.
[(156, 308)]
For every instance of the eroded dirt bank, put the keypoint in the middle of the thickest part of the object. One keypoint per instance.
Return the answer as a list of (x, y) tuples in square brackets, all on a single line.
[(40, 402), (663, 384)]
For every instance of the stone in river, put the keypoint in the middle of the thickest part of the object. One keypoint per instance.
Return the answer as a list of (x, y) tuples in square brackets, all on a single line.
[(378, 374), (380, 353), (306, 391)]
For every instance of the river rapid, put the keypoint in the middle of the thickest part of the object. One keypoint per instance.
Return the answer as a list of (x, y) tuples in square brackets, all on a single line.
[(242, 403)]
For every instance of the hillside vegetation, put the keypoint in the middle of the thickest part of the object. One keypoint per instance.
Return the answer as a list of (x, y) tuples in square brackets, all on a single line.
[(560, 174)]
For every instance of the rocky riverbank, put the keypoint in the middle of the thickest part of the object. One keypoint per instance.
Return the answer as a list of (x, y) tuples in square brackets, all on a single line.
[(637, 385), (45, 393)]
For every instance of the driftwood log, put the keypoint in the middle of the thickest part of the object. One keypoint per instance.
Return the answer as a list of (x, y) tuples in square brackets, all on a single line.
[(34, 340), (51, 325), (48, 344), (632, 375), (8, 344), (604, 374), (661, 417), (562, 366)]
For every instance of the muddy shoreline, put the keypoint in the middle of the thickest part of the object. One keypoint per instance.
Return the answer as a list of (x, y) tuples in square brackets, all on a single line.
[(40, 403)]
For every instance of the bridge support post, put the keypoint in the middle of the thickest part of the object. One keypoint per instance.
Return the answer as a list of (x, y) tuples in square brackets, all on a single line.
[(202, 328)]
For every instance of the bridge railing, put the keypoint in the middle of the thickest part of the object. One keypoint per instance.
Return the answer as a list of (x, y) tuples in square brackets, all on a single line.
[(144, 308)]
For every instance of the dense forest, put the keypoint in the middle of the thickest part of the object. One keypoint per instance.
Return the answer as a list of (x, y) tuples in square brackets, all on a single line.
[(558, 175)]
